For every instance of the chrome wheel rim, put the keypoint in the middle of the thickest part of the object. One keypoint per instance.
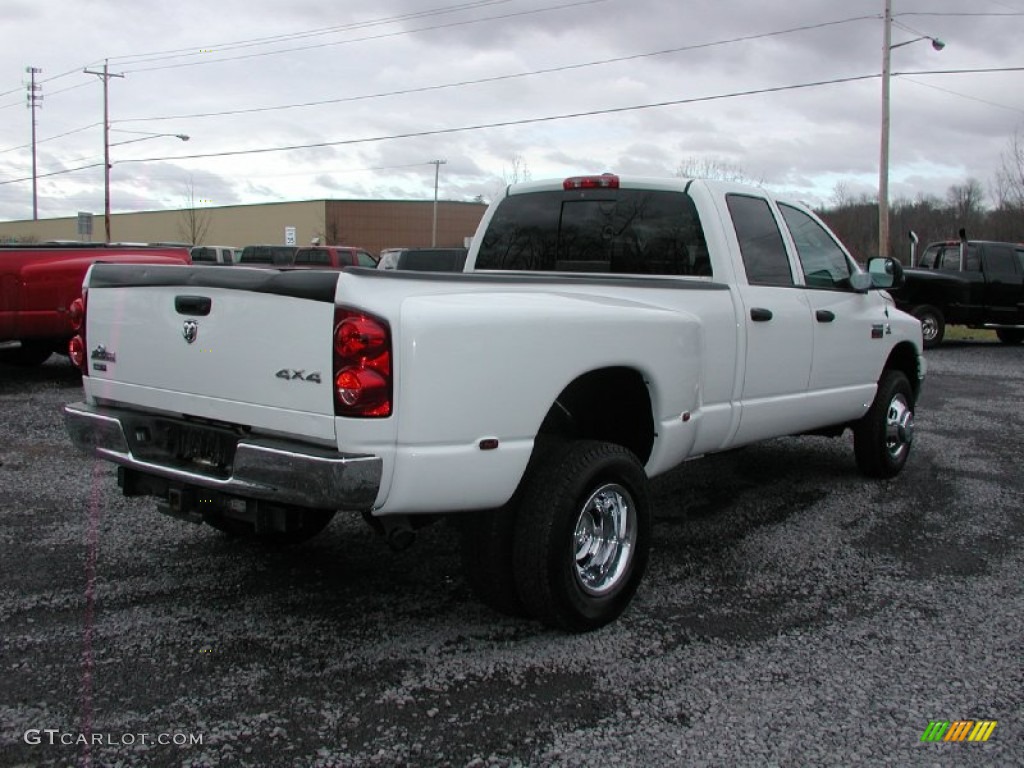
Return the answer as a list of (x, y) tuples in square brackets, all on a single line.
[(899, 426), (929, 327), (605, 539)]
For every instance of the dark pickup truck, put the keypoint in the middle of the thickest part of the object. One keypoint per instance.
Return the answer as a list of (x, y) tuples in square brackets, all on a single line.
[(977, 283)]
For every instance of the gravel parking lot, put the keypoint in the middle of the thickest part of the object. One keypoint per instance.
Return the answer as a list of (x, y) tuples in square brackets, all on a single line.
[(794, 614)]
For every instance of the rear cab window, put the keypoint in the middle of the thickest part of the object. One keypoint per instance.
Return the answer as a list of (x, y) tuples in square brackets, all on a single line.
[(617, 231), (762, 249)]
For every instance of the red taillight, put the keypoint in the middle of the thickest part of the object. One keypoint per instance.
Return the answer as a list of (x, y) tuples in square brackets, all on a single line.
[(76, 351), (77, 347), (76, 314), (604, 181), (362, 365)]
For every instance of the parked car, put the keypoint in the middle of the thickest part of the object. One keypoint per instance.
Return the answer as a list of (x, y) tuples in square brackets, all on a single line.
[(333, 257), (388, 257), (215, 254), (977, 283), (424, 259), (41, 292), (267, 255)]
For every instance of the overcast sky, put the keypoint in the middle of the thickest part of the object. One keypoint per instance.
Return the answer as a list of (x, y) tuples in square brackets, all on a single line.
[(367, 94)]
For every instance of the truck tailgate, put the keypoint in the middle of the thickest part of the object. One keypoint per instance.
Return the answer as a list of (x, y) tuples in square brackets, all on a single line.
[(244, 346)]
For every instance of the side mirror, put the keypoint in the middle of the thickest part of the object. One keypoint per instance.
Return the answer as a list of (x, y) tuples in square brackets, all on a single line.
[(885, 273)]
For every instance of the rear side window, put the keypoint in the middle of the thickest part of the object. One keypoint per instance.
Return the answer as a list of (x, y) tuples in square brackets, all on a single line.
[(278, 255), (624, 231), (764, 254), (433, 260), (365, 260), (204, 254), (312, 256), (1001, 259)]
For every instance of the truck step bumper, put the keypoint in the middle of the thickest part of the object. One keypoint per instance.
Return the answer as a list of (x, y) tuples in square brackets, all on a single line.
[(280, 471)]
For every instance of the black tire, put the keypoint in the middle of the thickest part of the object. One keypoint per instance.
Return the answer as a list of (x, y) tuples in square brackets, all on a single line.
[(486, 541), (556, 517), (29, 354), (1010, 336), (883, 436), (310, 523), (933, 324)]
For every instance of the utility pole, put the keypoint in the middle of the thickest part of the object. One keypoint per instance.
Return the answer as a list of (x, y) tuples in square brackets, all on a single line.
[(106, 75), (883, 161), (437, 169), (33, 100)]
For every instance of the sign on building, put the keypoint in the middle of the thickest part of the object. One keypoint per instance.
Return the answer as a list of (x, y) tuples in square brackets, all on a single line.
[(85, 224), (289, 235)]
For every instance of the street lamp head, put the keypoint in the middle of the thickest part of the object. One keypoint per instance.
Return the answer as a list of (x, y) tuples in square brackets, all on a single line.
[(937, 44), (183, 137)]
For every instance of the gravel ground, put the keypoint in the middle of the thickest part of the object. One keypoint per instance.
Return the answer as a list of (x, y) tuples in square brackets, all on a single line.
[(794, 614)]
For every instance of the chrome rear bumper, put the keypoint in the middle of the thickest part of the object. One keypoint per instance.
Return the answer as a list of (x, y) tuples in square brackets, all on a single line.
[(281, 471)]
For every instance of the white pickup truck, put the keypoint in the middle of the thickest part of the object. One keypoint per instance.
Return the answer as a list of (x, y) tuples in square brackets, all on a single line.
[(605, 329)]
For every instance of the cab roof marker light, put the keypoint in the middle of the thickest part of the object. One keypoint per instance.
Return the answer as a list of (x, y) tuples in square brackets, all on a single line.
[(604, 181)]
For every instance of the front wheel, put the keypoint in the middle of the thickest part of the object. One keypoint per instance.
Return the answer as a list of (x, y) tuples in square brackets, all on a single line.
[(582, 536), (883, 436), (933, 324), (1010, 335)]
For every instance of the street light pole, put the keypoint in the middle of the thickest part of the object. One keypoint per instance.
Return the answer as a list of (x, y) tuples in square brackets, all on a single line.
[(883, 160), (437, 168), (106, 75)]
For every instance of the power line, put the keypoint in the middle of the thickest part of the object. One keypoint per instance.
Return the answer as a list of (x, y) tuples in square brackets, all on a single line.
[(964, 95), (507, 123), (499, 78), (480, 126), (521, 121), (53, 173), (51, 138), (266, 40), (184, 52), (368, 38)]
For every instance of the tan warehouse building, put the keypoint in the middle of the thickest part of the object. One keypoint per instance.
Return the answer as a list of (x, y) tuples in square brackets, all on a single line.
[(370, 224)]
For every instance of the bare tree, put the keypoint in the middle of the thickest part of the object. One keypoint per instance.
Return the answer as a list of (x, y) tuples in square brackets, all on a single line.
[(1009, 184), (195, 222), (714, 168), (966, 201), (520, 170)]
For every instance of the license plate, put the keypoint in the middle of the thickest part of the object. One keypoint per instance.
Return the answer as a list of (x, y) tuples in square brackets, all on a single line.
[(202, 445)]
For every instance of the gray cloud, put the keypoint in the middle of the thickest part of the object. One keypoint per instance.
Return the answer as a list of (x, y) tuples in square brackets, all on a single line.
[(944, 127)]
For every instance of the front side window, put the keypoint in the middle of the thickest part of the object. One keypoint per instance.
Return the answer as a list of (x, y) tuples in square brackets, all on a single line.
[(822, 260), (623, 231), (764, 254), (365, 260), (203, 254)]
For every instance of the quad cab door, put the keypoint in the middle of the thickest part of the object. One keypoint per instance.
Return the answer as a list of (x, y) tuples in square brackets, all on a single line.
[(849, 329), (778, 333), (814, 345)]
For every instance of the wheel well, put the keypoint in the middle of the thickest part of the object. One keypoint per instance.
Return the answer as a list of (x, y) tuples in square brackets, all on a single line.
[(612, 405), (904, 358)]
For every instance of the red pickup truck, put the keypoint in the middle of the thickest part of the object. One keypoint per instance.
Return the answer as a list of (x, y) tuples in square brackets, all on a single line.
[(39, 284), (333, 257)]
